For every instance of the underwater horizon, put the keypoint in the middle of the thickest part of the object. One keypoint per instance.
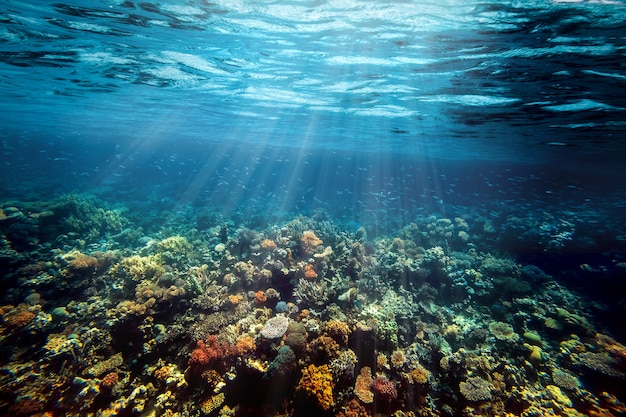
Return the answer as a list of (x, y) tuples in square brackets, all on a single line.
[(313, 208)]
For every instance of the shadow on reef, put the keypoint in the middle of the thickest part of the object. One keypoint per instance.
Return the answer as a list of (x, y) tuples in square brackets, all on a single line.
[(104, 315)]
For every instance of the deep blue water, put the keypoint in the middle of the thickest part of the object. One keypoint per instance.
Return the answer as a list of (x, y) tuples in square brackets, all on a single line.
[(375, 113), (361, 108)]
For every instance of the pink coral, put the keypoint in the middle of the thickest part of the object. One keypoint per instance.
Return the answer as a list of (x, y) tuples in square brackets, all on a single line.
[(384, 389)]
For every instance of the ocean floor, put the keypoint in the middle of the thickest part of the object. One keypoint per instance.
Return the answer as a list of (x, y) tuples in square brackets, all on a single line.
[(103, 314)]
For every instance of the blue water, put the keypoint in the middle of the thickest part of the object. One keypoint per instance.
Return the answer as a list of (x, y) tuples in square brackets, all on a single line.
[(375, 113), (368, 98)]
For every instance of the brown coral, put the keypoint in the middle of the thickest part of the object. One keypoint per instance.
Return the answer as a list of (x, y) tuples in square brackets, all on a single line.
[(109, 380), (18, 317), (80, 263), (338, 330), (419, 375), (475, 389), (397, 358)]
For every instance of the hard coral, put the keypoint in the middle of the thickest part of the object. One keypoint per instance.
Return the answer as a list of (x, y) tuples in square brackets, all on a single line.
[(80, 263), (309, 272), (338, 330), (363, 385), (110, 380), (354, 409), (268, 245), (18, 317), (259, 297), (317, 384), (207, 352), (384, 389), (476, 389), (419, 375), (309, 241)]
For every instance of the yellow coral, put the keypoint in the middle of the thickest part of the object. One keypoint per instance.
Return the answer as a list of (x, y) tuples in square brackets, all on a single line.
[(139, 267), (212, 403), (317, 383), (419, 375)]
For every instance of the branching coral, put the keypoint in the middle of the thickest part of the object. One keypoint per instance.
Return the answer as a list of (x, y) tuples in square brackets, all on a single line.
[(138, 268)]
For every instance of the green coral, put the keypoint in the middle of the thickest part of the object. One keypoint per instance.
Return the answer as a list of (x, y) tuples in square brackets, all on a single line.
[(83, 218), (175, 251)]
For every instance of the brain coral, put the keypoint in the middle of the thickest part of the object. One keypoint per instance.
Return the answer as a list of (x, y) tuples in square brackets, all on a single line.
[(275, 327)]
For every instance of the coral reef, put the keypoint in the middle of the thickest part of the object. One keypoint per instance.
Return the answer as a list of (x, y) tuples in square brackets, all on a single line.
[(305, 317)]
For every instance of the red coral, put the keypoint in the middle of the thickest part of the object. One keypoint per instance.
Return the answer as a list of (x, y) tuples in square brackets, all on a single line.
[(210, 351), (384, 389)]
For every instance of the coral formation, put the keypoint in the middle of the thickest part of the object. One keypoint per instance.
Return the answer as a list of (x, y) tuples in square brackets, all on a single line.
[(239, 319), (317, 383)]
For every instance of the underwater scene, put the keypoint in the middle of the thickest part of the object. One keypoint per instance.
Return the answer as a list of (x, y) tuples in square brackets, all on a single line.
[(355, 208)]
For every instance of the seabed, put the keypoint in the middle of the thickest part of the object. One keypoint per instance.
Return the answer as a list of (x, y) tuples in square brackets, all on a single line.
[(309, 316)]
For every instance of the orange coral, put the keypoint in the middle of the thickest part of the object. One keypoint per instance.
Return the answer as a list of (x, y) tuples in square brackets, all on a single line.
[(206, 352), (268, 245), (245, 345), (162, 373), (363, 384), (317, 383), (18, 317), (260, 297), (309, 272), (309, 242), (235, 299), (110, 380)]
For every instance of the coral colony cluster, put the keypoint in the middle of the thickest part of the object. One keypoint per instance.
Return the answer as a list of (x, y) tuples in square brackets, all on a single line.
[(100, 317)]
